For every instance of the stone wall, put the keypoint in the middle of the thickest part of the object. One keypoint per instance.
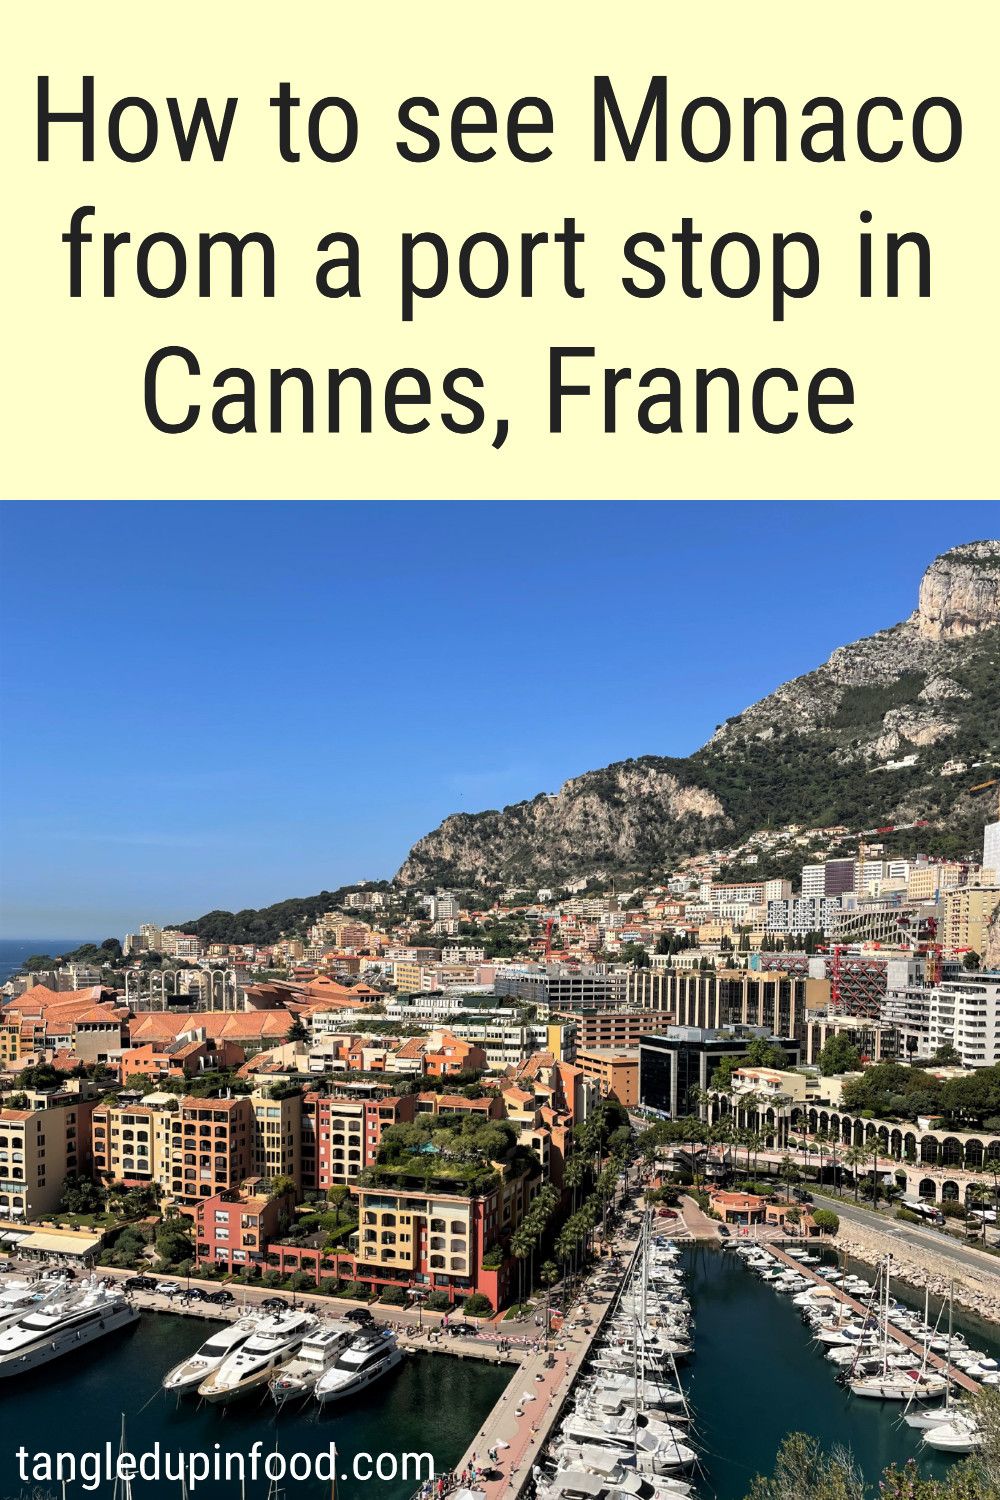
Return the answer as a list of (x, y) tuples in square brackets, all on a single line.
[(978, 1290)]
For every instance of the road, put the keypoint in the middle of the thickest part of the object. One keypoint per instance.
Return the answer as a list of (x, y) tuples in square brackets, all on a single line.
[(915, 1235)]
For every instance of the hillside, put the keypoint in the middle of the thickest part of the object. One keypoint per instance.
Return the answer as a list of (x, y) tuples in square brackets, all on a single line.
[(818, 751)]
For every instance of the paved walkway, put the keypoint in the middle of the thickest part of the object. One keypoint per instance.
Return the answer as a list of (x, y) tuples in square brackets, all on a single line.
[(519, 1428)]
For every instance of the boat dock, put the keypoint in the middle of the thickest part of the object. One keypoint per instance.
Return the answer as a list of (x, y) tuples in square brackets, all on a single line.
[(523, 1420), (934, 1361)]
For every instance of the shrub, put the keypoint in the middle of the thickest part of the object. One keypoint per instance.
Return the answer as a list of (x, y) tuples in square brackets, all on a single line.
[(357, 1291), (907, 1215), (437, 1301), (477, 1306), (393, 1296)]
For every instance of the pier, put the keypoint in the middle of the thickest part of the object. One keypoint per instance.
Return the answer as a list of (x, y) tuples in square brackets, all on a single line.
[(523, 1420), (935, 1361)]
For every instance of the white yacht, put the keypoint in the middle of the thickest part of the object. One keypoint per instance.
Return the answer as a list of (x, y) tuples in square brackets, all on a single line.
[(248, 1368), (298, 1377), (623, 1389), (901, 1385), (61, 1325), (190, 1373), (602, 1476), (646, 1454), (368, 1357)]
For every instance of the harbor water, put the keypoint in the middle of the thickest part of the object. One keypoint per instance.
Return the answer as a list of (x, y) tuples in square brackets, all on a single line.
[(430, 1403), (757, 1375)]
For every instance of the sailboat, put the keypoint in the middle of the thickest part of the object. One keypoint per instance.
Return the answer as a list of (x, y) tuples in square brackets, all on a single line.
[(888, 1384)]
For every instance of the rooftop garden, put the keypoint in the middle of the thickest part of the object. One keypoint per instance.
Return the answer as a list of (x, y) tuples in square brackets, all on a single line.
[(892, 1091), (467, 1155)]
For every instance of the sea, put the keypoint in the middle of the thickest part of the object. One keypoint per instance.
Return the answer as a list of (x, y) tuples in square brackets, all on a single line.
[(431, 1403), (13, 951), (755, 1376)]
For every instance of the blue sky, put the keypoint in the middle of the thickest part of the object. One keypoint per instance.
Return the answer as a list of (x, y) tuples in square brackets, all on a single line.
[(221, 705)]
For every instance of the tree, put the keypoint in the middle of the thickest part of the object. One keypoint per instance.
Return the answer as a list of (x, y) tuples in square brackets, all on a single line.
[(947, 1056), (173, 1244), (839, 1055), (297, 1031), (971, 960), (338, 1195), (856, 1158), (802, 1471), (826, 1221), (549, 1275)]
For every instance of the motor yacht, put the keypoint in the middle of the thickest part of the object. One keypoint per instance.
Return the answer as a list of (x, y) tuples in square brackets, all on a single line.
[(248, 1368), (608, 1482), (189, 1373), (297, 1378), (368, 1357), (61, 1325), (623, 1387)]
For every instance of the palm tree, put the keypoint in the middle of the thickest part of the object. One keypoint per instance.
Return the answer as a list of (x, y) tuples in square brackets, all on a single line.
[(979, 1195), (520, 1248), (574, 1172), (549, 1275), (856, 1158)]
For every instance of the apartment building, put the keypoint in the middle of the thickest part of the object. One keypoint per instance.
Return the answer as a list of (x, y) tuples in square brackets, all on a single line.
[(341, 1136), (614, 1070), (232, 1229), (277, 1136), (211, 1147), (132, 1142), (967, 916), (565, 989), (775, 1001), (877, 1041), (960, 1012), (801, 914), (507, 1040), (437, 1240), (991, 852), (39, 1146), (610, 1028)]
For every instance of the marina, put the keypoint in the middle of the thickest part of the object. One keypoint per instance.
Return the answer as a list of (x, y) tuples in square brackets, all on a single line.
[(683, 1376)]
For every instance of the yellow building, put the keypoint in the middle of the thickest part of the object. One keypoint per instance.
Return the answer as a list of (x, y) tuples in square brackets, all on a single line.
[(277, 1136), (39, 1146), (132, 1143), (967, 914), (925, 882)]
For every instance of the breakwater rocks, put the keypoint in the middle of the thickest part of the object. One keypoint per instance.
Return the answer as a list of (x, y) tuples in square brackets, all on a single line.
[(977, 1289)]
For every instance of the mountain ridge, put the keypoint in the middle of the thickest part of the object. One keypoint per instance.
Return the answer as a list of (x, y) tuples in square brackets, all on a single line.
[(924, 687)]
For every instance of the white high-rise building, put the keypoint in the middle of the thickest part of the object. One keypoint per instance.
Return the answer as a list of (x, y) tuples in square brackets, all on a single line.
[(991, 849), (813, 880)]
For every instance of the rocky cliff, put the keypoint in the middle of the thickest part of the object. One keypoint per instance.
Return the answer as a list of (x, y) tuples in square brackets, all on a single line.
[(877, 734)]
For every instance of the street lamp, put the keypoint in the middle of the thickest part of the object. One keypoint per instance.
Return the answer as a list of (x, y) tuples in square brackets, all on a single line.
[(418, 1296)]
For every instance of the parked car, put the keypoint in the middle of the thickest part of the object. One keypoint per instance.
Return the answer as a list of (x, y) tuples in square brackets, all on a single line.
[(723, 1232), (222, 1297), (358, 1315), (274, 1304), (167, 1288), (140, 1283), (195, 1293), (462, 1330)]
